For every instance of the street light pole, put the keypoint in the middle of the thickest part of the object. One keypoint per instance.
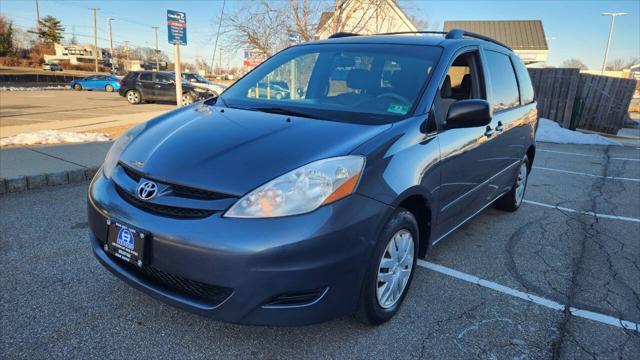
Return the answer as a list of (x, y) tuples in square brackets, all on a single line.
[(37, 16), (157, 50), (606, 51), (111, 40)]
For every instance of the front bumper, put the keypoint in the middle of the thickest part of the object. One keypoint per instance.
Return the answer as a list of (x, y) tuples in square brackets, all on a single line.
[(259, 260)]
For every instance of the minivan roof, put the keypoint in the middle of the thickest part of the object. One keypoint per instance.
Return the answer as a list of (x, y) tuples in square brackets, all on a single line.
[(454, 38)]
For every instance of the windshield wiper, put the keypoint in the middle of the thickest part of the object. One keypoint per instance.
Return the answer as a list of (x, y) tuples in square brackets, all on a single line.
[(283, 111)]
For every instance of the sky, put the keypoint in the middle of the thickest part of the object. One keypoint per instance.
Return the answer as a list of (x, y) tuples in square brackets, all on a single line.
[(574, 29)]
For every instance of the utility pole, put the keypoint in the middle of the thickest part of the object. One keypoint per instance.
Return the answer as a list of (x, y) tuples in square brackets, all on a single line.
[(126, 51), (606, 51), (111, 40), (95, 37), (157, 50), (37, 15)]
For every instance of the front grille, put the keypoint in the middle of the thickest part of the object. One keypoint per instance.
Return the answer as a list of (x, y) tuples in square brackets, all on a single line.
[(163, 210), (211, 294), (178, 190)]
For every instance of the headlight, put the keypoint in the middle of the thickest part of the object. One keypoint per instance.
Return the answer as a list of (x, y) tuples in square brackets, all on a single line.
[(117, 148), (302, 190)]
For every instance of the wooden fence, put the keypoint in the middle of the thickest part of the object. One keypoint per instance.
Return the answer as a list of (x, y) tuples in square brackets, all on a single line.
[(605, 103), (574, 100), (555, 91)]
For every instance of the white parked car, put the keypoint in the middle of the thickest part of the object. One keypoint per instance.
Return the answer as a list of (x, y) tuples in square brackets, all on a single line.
[(51, 67), (200, 81)]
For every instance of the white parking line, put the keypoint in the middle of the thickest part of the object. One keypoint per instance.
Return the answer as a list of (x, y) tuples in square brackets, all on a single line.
[(586, 174), (585, 314), (587, 155), (591, 213)]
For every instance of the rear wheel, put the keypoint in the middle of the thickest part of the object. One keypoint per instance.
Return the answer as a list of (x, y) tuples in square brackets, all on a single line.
[(108, 88), (512, 200), (77, 87), (391, 270), (133, 97)]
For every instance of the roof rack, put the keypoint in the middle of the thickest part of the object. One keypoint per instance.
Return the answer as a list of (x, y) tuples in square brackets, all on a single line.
[(459, 34), (451, 34), (342, 34)]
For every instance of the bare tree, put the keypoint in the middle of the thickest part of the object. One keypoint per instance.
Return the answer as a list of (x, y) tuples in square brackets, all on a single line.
[(574, 63), (616, 65), (258, 25), (304, 17)]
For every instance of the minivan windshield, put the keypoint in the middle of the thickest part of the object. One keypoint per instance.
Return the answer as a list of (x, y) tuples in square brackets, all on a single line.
[(361, 83)]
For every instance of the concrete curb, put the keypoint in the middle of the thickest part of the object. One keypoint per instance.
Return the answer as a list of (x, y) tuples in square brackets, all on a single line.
[(40, 181)]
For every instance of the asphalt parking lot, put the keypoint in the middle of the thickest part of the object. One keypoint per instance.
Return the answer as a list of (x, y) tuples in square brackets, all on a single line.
[(560, 278), (32, 107)]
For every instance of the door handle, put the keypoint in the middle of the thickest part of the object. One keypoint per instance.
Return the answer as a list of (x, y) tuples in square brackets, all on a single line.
[(488, 131), (157, 86), (499, 127)]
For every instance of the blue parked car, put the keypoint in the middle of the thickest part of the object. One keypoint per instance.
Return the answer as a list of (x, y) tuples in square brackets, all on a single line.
[(108, 83)]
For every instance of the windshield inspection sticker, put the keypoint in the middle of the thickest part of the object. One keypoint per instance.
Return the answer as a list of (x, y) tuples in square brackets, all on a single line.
[(398, 109)]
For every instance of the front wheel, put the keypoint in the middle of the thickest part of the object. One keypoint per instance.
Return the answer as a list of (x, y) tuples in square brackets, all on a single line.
[(512, 200), (391, 270), (108, 88), (133, 97), (187, 99), (77, 87)]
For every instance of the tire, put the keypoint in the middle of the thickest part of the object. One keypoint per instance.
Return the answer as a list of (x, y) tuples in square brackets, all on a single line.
[(108, 88), (134, 97), (512, 200), (279, 96), (374, 308), (77, 87), (187, 99)]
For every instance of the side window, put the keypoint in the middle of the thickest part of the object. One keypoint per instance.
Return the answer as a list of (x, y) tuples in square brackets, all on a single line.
[(526, 88), (504, 86), (145, 77), (162, 78), (463, 81)]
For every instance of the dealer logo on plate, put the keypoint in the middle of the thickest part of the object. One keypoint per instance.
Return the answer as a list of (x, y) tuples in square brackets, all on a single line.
[(125, 238)]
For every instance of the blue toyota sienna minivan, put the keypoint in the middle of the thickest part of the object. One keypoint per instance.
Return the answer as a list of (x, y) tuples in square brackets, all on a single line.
[(256, 208)]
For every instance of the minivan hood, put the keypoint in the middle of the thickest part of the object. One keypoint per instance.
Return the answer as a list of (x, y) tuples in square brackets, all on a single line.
[(233, 151)]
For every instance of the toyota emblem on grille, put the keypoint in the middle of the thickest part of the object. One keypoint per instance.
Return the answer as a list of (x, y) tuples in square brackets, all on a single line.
[(147, 190)]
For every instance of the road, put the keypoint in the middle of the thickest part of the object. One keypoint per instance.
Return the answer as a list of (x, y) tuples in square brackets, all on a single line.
[(20, 108), (557, 277)]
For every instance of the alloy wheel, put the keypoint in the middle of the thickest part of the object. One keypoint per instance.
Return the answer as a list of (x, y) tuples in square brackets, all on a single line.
[(133, 97), (521, 183), (187, 100), (395, 269)]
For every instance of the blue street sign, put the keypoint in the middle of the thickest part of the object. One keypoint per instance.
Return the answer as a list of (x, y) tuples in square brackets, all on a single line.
[(177, 27)]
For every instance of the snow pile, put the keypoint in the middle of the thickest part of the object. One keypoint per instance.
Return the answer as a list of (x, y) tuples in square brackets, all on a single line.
[(550, 131), (34, 88), (52, 137)]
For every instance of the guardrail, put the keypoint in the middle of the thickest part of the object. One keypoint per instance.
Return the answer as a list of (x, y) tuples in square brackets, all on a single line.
[(37, 78)]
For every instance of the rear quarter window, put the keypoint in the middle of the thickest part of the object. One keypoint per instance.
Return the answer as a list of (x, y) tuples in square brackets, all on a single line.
[(504, 86), (524, 81)]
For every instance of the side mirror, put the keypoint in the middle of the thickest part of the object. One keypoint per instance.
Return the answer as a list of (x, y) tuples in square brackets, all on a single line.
[(469, 113)]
